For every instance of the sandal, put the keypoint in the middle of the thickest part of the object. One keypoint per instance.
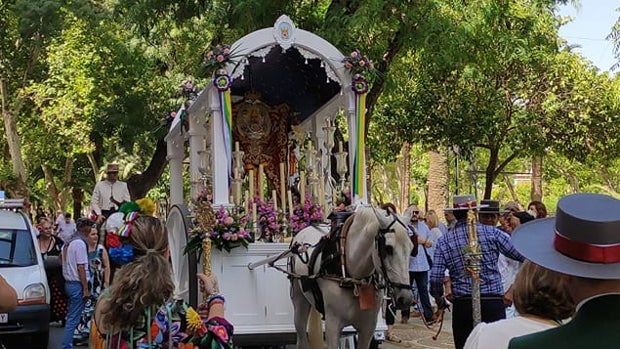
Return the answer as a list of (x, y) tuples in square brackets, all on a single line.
[(391, 337)]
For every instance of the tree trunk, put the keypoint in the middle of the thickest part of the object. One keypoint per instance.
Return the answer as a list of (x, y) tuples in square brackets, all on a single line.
[(78, 196), (490, 172), (607, 177), (405, 182), (58, 195), (536, 192), (511, 188), (140, 184), (437, 182), (20, 187)]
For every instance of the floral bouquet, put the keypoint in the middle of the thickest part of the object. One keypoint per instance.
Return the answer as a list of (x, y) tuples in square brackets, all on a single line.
[(229, 230), (357, 63), (311, 213), (217, 57), (269, 221), (225, 229)]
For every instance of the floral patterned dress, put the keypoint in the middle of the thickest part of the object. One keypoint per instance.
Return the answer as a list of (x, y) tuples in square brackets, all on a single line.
[(175, 325)]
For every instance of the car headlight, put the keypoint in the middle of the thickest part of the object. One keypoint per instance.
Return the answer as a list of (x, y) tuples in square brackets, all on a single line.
[(33, 294)]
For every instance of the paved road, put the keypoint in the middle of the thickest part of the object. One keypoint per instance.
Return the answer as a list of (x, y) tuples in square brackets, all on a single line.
[(413, 334)]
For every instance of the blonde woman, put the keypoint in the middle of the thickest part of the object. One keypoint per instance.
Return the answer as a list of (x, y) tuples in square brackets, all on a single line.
[(542, 301), (432, 221), (139, 301)]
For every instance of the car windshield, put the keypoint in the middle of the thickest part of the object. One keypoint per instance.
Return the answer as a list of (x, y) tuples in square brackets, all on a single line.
[(16, 248)]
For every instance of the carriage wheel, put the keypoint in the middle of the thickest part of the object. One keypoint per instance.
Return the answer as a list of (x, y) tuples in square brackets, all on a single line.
[(178, 225)]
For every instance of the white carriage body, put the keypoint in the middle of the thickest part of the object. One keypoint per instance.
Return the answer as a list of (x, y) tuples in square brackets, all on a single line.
[(259, 300)]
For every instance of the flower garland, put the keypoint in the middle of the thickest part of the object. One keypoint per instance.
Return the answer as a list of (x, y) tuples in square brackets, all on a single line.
[(188, 90)]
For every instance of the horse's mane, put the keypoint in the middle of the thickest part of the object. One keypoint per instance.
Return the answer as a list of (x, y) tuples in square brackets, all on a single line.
[(372, 218)]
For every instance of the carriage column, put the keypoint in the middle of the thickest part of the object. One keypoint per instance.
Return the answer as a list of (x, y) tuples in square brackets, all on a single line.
[(357, 151), (197, 144), (175, 153), (219, 159)]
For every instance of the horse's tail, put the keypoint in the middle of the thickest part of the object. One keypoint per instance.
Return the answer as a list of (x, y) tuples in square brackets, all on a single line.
[(315, 330)]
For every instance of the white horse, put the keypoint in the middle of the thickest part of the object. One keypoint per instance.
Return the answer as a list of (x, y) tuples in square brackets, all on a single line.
[(376, 251)]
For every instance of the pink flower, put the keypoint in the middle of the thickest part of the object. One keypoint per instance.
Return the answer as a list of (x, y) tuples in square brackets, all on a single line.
[(210, 54), (348, 65), (234, 237), (226, 236), (354, 54), (226, 51), (362, 63), (220, 332), (228, 220), (220, 58)]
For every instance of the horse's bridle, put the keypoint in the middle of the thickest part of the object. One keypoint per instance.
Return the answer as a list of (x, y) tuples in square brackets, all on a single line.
[(380, 240)]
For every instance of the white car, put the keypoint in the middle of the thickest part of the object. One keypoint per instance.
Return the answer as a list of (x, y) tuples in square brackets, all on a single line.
[(21, 265)]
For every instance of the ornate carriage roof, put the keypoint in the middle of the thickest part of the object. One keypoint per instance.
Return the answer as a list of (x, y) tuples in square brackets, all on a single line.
[(284, 64)]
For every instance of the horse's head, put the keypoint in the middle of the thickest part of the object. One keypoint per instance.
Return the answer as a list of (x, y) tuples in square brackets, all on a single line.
[(394, 248)]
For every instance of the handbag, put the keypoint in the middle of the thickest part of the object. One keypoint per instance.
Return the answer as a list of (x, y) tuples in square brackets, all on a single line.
[(428, 257)]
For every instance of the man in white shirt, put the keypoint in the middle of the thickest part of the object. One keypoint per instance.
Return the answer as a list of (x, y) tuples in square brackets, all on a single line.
[(109, 194), (76, 273), (66, 227)]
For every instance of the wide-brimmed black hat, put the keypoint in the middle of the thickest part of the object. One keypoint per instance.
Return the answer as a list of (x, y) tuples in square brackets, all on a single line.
[(582, 240), (490, 206), (464, 202)]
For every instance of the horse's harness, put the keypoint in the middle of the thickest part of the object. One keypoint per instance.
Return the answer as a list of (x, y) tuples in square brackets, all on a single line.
[(331, 248), (381, 248)]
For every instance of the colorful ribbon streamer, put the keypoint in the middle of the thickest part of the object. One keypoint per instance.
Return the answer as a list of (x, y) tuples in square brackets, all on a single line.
[(222, 83), (360, 87)]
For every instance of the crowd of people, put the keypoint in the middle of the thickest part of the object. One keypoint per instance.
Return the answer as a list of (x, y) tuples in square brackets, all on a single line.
[(135, 307), (533, 278), (541, 284)]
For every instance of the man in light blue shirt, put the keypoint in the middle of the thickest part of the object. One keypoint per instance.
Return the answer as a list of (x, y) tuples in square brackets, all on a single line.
[(419, 265)]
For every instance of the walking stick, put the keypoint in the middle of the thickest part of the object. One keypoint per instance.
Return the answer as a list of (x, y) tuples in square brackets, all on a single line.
[(473, 259)]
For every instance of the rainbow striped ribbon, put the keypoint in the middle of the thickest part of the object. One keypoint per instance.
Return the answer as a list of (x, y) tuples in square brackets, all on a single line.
[(226, 110), (358, 164), (125, 229)]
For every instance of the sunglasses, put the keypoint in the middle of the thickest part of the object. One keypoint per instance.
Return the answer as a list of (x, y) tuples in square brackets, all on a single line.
[(415, 212)]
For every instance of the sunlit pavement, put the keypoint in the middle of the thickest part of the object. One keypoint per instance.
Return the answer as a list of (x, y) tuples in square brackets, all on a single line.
[(415, 335)]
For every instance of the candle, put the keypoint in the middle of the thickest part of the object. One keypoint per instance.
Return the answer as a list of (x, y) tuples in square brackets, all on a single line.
[(302, 189), (322, 201), (247, 201), (340, 146), (236, 146), (282, 187), (238, 192), (251, 185), (275, 200), (290, 203), (261, 173), (254, 220)]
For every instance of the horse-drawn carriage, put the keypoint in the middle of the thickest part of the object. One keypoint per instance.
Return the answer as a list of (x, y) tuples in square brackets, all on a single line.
[(267, 121)]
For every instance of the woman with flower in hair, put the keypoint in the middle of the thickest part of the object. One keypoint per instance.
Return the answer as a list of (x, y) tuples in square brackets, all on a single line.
[(138, 310)]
